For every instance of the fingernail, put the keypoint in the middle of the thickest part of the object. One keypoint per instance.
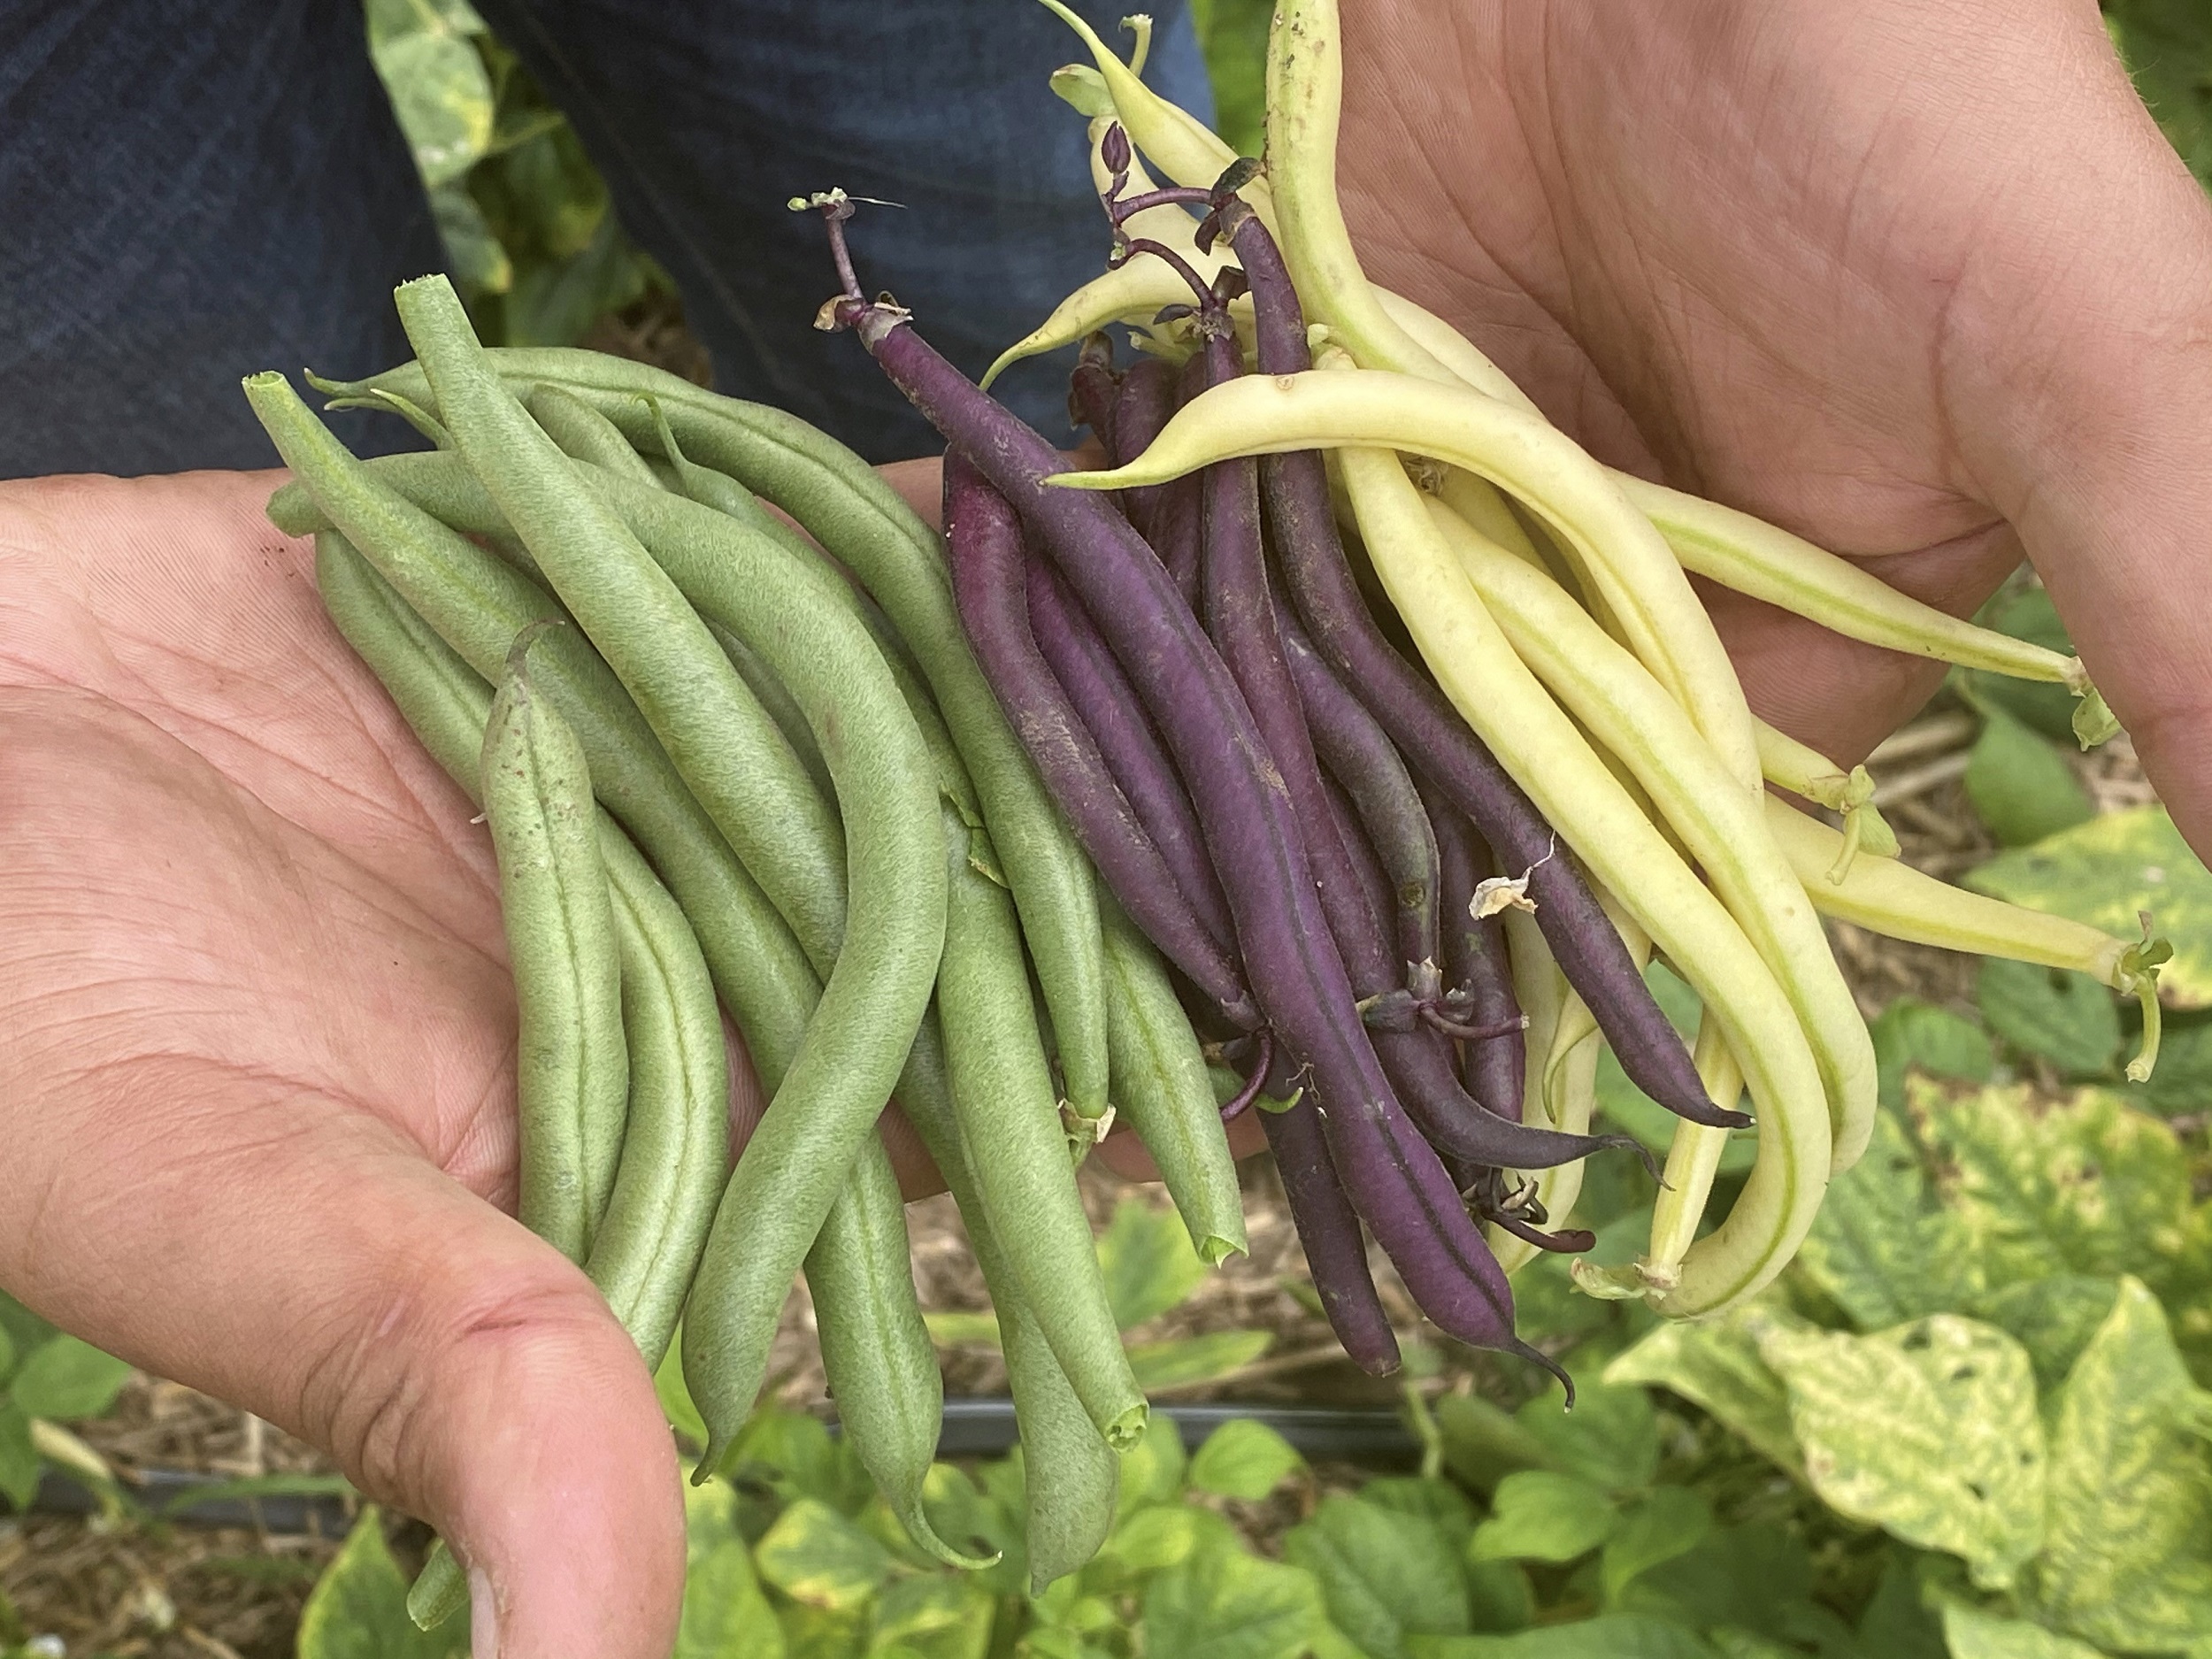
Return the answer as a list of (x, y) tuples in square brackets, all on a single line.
[(483, 1617)]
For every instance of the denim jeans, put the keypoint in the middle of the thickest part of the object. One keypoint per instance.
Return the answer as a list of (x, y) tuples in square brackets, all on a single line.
[(194, 190)]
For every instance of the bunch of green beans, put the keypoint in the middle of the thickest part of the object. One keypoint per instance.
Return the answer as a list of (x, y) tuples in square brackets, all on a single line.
[(716, 769)]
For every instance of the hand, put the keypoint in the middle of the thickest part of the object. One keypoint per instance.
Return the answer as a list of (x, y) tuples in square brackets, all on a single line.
[(1923, 284)]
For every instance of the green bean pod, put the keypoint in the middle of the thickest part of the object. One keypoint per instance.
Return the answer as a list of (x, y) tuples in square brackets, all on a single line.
[(876, 1351), (572, 1073), (583, 434), (1002, 1089), (1161, 1087), (1070, 1476), (841, 502)]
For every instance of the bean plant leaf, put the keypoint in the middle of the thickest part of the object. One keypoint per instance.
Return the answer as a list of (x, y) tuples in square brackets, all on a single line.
[(821, 1632), (814, 1555), (961, 1327), (724, 1615), (2053, 1318), (1929, 1430), (1145, 1257), (1151, 1540), (1611, 1439), (19, 1462), (1435, 1500), (796, 1454), (474, 255), (2069, 1018), (1540, 1515), (2089, 1187), (63, 1378), (1243, 1459), (1179, 1361), (441, 95), (358, 1608), (1384, 1574), (1972, 1632), (1673, 1521), (1752, 1576), (2182, 1081), (1910, 1034), (2040, 705), (1880, 1249), (934, 1616), (1715, 1364), (2128, 1563), (1483, 1442), (2105, 873), (1231, 1605), (1612, 1636), (1152, 1470), (2020, 784)]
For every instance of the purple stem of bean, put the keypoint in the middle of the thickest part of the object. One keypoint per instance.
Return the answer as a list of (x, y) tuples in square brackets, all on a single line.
[(1475, 961), (1131, 750), (1429, 731), (1237, 1104), (985, 546)]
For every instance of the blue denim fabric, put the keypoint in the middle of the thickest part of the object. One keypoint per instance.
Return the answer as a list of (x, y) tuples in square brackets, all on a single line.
[(192, 190)]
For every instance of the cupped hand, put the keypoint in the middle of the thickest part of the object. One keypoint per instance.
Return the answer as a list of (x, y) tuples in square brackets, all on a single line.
[(1923, 284)]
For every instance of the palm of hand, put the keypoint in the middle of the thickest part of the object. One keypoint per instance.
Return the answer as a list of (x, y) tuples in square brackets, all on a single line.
[(1784, 256), (260, 1014)]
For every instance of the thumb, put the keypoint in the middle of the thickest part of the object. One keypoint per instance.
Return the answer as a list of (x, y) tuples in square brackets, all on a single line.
[(457, 1367)]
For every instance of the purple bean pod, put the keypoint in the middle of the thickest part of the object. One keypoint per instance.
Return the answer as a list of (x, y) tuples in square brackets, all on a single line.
[(1356, 752), (1108, 706), (1093, 389), (1329, 1232), (1393, 1177), (984, 544), (1476, 966), (1429, 731), (1146, 401)]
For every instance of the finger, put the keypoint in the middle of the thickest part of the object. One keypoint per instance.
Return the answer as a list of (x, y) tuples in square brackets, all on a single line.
[(2082, 394)]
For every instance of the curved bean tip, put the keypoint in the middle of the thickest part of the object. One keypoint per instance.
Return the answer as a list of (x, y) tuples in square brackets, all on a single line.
[(1213, 1249), (2094, 722), (518, 653), (1125, 1431)]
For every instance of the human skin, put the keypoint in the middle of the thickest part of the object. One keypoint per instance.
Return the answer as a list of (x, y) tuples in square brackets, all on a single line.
[(1921, 283)]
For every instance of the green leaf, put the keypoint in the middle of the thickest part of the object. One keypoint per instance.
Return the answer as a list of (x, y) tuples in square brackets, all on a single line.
[(2053, 1318), (358, 1608), (2104, 872), (822, 1632), (2091, 1186), (555, 302), (1152, 1471), (1671, 1521), (936, 1616), (442, 98), (1437, 1502), (797, 1455), (726, 1616), (1539, 1516), (24, 1329), (814, 1555), (1230, 1605), (2128, 1561), (1756, 1576), (1499, 1598), (1384, 1574), (1715, 1364), (2021, 785), (1149, 1541), (1911, 1034), (1244, 1459), (1483, 1442), (1898, 1623), (1145, 1257), (2066, 1017), (1234, 35), (1614, 1636), (2042, 705), (1611, 1439), (63, 1379), (19, 1462), (1973, 1634), (959, 1328), (252, 1487), (2182, 1081), (1880, 1249), (1181, 1360), (1929, 1430), (478, 264)]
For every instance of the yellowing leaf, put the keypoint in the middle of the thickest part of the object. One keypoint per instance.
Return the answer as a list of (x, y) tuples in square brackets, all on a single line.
[(358, 1607), (1717, 1364), (726, 1616), (2103, 873), (1929, 1430), (2128, 1563), (1880, 1249), (814, 1555), (1971, 1633), (1231, 1605), (936, 1614)]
